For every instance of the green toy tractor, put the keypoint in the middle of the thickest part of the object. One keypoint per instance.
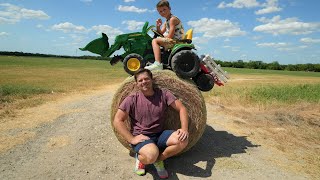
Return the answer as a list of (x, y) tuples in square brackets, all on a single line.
[(181, 58), (138, 52)]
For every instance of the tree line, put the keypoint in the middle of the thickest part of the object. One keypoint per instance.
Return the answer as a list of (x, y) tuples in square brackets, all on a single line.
[(270, 66), (8, 53), (234, 64)]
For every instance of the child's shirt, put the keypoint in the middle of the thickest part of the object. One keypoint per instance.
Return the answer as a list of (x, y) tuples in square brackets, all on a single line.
[(179, 31)]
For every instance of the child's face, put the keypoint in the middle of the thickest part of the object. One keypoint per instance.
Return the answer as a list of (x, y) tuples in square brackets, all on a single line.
[(164, 11)]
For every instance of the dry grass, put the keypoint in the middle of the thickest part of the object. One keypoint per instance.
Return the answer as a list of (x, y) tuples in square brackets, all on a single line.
[(30, 81), (290, 127)]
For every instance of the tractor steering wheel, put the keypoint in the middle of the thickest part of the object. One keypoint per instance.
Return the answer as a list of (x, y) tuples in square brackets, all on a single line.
[(156, 33)]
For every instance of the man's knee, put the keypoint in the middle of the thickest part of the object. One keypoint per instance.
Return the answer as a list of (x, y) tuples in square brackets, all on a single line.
[(149, 153), (184, 143), (174, 140)]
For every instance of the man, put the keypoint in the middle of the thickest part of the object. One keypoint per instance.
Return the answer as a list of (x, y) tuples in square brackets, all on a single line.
[(151, 143)]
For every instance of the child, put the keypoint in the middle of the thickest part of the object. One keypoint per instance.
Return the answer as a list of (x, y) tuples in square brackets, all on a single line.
[(173, 28)]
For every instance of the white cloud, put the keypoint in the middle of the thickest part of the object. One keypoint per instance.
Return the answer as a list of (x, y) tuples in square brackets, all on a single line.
[(309, 40), (12, 14), (133, 25), (270, 7), (108, 30), (69, 27), (212, 28), (4, 34), (268, 10), (303, 46), (131, 9), (129, 1), (275, 45), (282, 46), (200, 40), (77, 39), (293, 26), (239, 4)]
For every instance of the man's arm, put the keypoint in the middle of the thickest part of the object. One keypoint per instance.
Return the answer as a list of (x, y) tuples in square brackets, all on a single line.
[(120, 126), (183, 113)]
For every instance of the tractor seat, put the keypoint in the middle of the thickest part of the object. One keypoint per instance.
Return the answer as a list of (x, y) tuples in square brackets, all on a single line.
[(187, 37)]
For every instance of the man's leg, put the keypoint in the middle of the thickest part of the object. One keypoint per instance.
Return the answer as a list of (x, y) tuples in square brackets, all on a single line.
[(168, 141), (175, 146), (149, 153), (146, 153)]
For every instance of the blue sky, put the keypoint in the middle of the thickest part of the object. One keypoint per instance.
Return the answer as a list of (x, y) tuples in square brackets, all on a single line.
[(287, 31)]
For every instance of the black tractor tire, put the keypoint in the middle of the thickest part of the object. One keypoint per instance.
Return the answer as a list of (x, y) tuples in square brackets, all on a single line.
[(185, 64), (204, 82), (132, 63)]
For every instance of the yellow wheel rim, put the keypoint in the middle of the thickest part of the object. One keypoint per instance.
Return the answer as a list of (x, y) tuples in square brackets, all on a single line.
[(133, 64)]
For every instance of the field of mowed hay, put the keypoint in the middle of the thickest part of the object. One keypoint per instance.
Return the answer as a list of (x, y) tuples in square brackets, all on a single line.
[(282, 107)]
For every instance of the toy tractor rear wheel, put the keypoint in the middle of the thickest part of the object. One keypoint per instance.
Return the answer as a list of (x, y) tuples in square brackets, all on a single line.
[(185, 64), (205, 82), (132, 63)]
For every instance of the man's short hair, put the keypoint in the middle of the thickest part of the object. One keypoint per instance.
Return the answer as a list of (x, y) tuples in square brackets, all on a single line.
[(140, 71), (163, 3)]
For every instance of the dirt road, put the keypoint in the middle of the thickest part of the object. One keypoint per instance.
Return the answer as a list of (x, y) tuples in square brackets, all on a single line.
[(72, 139)]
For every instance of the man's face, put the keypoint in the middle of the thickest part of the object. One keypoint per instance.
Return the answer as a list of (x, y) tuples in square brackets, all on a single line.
[(164, 11), (144, 82)]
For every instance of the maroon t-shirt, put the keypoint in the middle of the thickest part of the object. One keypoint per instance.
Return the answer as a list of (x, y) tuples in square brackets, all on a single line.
[(147, 112)]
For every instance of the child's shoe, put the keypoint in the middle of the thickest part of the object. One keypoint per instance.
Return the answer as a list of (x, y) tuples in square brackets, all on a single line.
[(155, 66)]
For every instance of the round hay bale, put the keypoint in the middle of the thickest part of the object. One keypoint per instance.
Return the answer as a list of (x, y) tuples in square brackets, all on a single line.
[(184, 90)]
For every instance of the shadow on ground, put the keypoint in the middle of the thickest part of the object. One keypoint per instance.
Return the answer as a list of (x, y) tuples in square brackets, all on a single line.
[(213, 144)]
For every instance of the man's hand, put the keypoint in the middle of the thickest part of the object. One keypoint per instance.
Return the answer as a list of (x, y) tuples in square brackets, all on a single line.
[(138, 139), (183, 134)]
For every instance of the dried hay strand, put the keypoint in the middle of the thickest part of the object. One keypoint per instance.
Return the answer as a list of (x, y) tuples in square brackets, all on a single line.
[(185, 90)]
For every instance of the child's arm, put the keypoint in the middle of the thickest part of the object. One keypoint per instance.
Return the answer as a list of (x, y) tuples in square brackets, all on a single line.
[(159, 29), (173, 22)]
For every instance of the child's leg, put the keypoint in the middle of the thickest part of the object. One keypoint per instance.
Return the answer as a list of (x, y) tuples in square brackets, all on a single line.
[(156, 43), (164, 42)]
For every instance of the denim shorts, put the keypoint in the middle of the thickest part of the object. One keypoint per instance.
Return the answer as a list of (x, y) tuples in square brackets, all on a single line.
[(159, 139)]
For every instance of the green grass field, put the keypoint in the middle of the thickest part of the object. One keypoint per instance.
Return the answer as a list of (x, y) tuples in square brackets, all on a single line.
[(25, 77), (252, 86), (271, 72)]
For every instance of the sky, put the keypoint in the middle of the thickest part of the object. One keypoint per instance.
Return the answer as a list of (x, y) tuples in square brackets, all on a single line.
[(286, 31)]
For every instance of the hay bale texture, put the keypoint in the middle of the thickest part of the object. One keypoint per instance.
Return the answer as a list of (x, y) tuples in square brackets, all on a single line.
[(184, 90)]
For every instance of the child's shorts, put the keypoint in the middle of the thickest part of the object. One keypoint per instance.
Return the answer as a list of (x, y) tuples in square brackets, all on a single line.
[(168, 43)]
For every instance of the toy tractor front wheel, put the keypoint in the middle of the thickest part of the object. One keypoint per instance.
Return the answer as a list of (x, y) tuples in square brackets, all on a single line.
[(132, 63), (185, 64)]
